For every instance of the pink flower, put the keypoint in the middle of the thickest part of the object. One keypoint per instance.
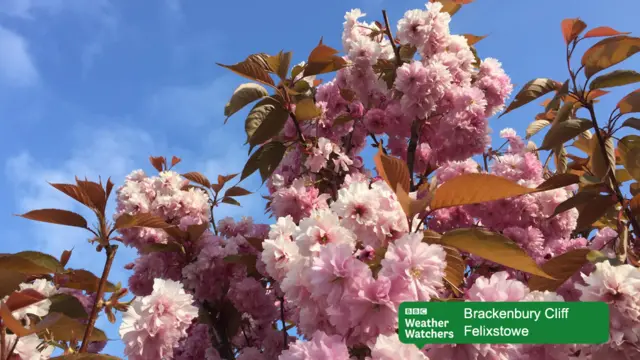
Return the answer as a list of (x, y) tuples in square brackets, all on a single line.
[(153, 325), (389, 347), (413, 264), (320, 347), (376, 121), (250, 353), (497, 288), (297, 200), (335, 269), (322, 228), (495, 84), (619, 286)]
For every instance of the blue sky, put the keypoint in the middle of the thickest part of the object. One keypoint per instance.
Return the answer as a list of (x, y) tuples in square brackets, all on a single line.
[(94, 87)]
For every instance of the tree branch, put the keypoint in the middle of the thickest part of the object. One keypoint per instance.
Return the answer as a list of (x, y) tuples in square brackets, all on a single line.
[(298, 129), (111, 253), (285, 337), (411, 152), (396, 50), (614, 181)]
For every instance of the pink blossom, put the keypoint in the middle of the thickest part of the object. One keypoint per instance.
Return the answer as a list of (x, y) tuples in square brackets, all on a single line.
[(320, 347), (390, 348), (414, 265), (153, 325), (297, 200), (497, 288)]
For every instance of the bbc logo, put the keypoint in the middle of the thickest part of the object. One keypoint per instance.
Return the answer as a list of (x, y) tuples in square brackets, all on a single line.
[(415, 311)]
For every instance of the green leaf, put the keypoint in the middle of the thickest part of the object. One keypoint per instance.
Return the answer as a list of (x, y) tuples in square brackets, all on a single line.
[(564, 131), (30, 263), (609, 52), (600, 165), (493, 247), (242, 96), (615, 78), (252, 165), (265, 120), (68, 305), (57, 216), (306, 109), (270, 158), (532, 90)]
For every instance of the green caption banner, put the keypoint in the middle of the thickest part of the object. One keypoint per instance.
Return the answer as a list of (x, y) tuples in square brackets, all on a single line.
[(424, 323)]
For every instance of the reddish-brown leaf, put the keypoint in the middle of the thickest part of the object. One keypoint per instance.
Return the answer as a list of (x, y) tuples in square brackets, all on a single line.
[(10, 281), (140, 220), (64, 258), (23, 298), (323, 59), (11, 323), (74, 192), (561, 267), (230, 201), (57, 216), (634, 204), (197, 178), (108, 188), (609, 52), (473, 39), (393, 170), (236, 191), (630, 103), (195, 231), (478, 188), (603, 31), (31, 263), (95, 193), (81, 279), (254, 67), (571, 28), (223, 179), (449, 6), (158, 162), (175, 160), (593, 211)]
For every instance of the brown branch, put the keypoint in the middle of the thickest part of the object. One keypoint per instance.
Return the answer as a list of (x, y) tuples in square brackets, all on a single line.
[(298, 129), (396, 50), (411, 152), (612, 177), (3, 340), (285, 337), (111, 253)]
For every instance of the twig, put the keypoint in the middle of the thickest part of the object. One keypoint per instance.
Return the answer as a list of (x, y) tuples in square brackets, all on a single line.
[(111, 253), (298, 129), (411, 152), (3, 339), (285, 337), (614, 181), (390, 35)]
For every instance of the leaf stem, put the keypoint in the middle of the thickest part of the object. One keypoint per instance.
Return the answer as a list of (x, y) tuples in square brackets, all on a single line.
[(111, 253), (390, 35)]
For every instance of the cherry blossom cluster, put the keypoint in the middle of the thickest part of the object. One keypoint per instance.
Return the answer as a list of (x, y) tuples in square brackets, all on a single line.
[(173, 285)]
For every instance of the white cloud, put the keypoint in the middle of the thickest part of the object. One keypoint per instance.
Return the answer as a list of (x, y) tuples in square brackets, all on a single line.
[(17, 67)]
